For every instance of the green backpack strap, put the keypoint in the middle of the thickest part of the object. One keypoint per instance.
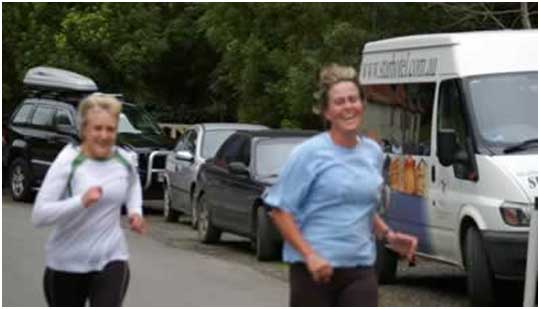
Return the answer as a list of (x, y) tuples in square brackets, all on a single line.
[(125, 163), (79, 159)]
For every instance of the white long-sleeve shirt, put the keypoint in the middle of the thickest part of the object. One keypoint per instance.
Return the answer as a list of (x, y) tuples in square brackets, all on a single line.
[(86, 239)]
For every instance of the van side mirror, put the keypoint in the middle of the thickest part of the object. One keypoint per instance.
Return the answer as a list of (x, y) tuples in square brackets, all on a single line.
[(446, 146), (238, 168)]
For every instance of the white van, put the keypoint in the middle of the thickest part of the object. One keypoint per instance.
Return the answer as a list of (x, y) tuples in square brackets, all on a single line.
[(457, 116)]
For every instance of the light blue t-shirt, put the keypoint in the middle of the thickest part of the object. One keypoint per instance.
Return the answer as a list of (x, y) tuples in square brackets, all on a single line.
[(331, 191)]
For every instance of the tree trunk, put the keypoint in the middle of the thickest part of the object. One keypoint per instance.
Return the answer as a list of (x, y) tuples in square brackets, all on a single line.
[(525, 21)]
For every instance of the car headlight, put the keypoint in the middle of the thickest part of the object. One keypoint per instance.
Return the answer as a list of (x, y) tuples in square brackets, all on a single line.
[(516, 214)]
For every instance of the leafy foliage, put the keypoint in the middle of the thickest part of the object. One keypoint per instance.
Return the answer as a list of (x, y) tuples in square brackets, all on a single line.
[(250, 62)]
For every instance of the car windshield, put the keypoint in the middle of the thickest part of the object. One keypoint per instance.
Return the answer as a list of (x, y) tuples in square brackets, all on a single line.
[(136, 121), (212, 140), (272, 154), (505, 107)]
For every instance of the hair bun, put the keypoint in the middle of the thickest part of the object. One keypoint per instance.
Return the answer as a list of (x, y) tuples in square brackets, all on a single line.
[(333, 73)]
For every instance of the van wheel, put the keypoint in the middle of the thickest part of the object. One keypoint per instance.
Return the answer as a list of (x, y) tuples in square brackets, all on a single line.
[(20, 180), (169, 213), (207, 232), (480, 279), (266, 249), (386, 264)]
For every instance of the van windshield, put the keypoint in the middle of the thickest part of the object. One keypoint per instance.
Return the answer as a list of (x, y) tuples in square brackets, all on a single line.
[(505, 107)]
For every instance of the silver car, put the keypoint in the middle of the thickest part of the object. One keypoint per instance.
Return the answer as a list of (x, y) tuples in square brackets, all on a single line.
[(198, 143)]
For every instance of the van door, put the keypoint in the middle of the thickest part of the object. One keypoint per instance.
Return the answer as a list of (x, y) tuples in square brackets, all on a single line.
[(451, 185)]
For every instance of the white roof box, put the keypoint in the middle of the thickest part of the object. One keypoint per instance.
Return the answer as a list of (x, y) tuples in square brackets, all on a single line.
[(47, 77)]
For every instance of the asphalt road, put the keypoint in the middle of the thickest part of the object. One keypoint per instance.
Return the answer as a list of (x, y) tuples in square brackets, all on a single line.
[(161, 275), (427, 284), (171, 268)]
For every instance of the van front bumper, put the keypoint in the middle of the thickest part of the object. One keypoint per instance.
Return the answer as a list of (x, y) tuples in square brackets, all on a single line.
[(507, 253)]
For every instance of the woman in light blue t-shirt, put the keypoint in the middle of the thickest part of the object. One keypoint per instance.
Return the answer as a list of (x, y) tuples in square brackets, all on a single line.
[(324, 205)]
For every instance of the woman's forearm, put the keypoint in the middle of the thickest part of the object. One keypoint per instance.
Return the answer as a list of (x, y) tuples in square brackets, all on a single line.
[(380, 228)]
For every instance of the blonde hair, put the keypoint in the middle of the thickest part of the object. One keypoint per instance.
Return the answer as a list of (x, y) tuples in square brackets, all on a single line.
[(329, 76), (104, 102)]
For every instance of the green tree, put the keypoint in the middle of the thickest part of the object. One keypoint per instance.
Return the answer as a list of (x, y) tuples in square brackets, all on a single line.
[(252, 62)]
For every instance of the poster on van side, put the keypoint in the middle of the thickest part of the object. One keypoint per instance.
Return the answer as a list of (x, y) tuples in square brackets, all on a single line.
[(400, 117)]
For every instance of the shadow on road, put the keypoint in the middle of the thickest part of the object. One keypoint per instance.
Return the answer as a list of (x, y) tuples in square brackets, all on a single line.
[(509, 293), (450, 284)]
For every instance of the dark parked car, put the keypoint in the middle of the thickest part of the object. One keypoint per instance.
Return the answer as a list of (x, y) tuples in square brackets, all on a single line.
[(198, 143), (46, 121), (231, 184)]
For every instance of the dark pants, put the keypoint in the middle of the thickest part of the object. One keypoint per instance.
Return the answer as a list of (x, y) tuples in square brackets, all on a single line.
[(105, 288), (349, 287)]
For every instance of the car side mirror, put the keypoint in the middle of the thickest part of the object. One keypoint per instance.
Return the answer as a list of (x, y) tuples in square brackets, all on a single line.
[(446, 146), (238, 168), (184, 155)]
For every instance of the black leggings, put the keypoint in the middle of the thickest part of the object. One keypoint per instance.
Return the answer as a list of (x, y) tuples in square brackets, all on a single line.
[(349, 287), (105, 288)]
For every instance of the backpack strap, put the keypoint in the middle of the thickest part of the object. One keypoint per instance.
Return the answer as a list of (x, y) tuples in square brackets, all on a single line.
[(117, 156), (79, 159)]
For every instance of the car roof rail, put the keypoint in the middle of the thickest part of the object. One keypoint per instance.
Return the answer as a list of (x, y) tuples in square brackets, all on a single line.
[(72, 97)]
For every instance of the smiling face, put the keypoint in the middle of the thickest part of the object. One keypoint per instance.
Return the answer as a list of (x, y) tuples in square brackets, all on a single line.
[(99, 132), (344, 109)]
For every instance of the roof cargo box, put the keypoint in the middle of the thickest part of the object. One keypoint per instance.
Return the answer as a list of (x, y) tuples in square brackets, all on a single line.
[(58, 79)]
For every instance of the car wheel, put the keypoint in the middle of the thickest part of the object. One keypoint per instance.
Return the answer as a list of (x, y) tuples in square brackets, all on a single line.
[(480, 279), (386, 264), (20, 180), (266, 249), (207, 232), (169, 214)]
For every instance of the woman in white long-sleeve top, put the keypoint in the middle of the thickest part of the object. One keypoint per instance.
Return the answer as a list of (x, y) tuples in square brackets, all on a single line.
[(81, 196)]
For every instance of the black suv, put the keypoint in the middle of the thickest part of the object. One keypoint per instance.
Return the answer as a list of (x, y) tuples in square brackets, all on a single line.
[(43, 124)]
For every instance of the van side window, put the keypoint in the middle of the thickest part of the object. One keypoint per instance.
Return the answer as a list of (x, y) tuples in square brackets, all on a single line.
[(451, 115), (400, 116)]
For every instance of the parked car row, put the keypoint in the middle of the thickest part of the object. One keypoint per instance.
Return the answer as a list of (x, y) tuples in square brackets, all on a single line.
[(222, 192), (215, 174), (198, 143)]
